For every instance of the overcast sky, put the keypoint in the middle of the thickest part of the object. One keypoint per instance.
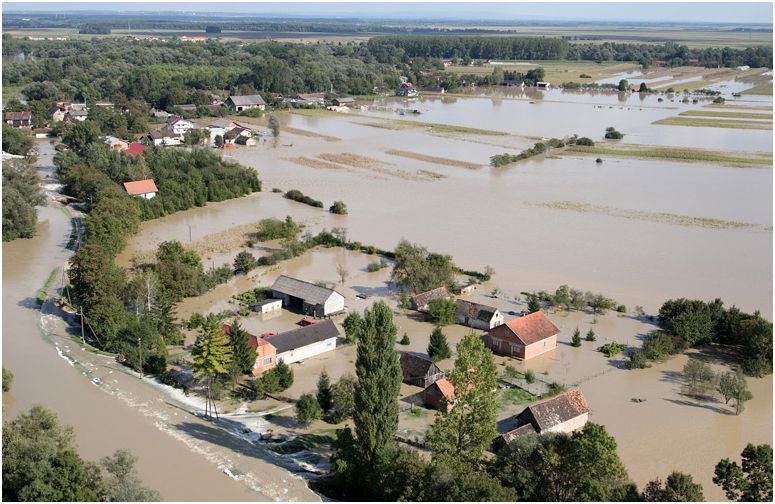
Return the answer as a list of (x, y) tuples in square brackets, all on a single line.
[(733, 12)]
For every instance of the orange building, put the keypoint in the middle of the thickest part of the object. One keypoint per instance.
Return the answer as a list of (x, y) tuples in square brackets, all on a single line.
[(523, 338)]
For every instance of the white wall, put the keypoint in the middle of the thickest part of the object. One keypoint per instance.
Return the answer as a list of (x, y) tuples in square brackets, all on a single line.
[(308, 351), (569, 425), (334, 303)]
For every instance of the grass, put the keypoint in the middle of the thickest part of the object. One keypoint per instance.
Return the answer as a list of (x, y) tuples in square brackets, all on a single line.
[(731, 115), (759, 90), (433, 159), (672, 154), (447, 128), (733, 105), (43, 291), (417, 412), (555, 71), (518, 396), (659, 217), (713, 123)]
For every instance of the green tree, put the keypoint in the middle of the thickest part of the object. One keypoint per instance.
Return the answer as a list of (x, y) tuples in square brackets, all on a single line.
[(325, 393), (623, 85), (467, 429), (243, 357), (751, 482), (442, 311), (41, 463), (449, 479), (274, 125), (180, 271), (15, 141), (405, 339), (122, 484), (417, 270), (576, 340), (244, 262), (590, 335), (219, 141), (637, 360), (678, 487), (438, 348), (643, 88), (7, 380), (533, 303), (80, 135), (379, 382), (339, 208), (353, 325), (284, 374), (212, 357), (698, 377), (343, 398), (308, 410)]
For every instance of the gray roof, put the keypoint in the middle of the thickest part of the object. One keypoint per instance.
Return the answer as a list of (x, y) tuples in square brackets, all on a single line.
[(417, 365), (247, 100), (309, 292), (475, 310), (222, 123), (78, 113), (303, 336)]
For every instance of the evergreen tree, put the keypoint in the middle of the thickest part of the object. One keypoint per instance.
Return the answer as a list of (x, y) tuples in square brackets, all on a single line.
[(533, 304), (324, 393), (284, 374), (405, 340), (212, 356), (438, 348), (243, 357), (576, 340), (308, 410), (591, 335), (379, 382), (469, 427)]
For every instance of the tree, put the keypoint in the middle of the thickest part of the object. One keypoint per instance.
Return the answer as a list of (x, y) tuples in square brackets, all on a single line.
[(449, 479), (352, 326), (343, 398), (274, 125), (243, 357), (468, 428), (576, 340), (417, 270), (623, 84), (244, 262), (7, 380), (212, 356), (308, 410), (751, 482), (325, 393), (379, 382), (590, 335), (533, 303), (698, 376), (16, 141), (637, 360), (342, 272), (442, 311), (643, 88), (219, 141), (338, 208), (438, 348), (123, 485), (679, 487), (284, 374), (80, 135), (727, 385), (562, 297), (740, 392), (41, 463), (599, 303)]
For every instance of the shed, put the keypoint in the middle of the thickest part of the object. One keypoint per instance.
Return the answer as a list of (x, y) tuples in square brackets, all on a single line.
[(145, 188), (305, 342), (419, 369), (306, 297), (267, 306), (477, 315), (524, 337), (438, 390), (420, 301)]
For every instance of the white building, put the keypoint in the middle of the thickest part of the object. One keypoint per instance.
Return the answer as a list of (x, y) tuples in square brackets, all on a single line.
[(477, 315), (178, 125), (267, 306), (308, 298), (305, 342)]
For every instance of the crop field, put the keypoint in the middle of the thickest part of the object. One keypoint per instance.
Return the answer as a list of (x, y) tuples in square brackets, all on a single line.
[(673, 154), (554, 71), (731, 115), (759, 90)]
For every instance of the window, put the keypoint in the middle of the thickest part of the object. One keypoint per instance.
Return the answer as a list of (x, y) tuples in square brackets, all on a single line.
[(267, 361), (544, 343)]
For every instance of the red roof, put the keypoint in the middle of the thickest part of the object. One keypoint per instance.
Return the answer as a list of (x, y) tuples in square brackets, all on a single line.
[(446, 388), (532, 328), (18, 116), (140, 187), (135, 149)]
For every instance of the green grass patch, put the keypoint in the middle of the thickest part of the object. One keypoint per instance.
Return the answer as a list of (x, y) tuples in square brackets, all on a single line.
[(713, 123), (518, 396), (732, 115), (43, 291), (671, 154), (759, 90), (417, 412)]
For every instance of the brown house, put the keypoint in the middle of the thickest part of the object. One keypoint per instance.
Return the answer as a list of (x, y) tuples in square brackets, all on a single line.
[(420, 301), (566, 413), (418, 369), (19, 119), (523, 338)]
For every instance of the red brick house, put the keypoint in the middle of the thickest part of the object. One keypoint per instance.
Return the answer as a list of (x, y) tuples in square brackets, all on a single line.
[(523, 338), (438, 390)]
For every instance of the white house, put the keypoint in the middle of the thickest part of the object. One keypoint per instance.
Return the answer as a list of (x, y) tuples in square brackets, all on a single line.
[(165, 138), (308, 298), (477, 315), (305, 342), (143, 188), (178, 125)]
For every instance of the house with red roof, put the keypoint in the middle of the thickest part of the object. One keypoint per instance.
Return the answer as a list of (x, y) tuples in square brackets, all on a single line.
[(143, 188), (524, 338), (135, 149)]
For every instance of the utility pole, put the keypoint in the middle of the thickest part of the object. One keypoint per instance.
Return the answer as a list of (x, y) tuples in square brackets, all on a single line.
[(140, 351), (83, 336)]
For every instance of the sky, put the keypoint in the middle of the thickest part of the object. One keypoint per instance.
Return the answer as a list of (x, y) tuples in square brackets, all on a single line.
[(706, 12)]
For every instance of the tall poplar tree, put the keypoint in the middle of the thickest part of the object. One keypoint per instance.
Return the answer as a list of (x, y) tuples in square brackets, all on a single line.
[(379, 383), (470, 426), (212, 356)]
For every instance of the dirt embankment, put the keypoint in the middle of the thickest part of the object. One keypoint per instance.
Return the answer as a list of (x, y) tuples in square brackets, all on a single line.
[(433, 159)]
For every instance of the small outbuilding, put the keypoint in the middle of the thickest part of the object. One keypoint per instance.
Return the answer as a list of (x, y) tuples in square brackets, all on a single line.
[(438, 390), (307, 298), (267, 305), (420, 301), (143, 188), (419, 369), (19, 119), (477, 315), (343, 102)]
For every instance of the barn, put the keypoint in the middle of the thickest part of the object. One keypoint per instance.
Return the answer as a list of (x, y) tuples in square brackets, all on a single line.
[(307, 298)]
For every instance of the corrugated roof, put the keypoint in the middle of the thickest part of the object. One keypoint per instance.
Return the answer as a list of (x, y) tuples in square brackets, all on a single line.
[(532, 328), (247, 100), (140, 187), (304, 336), (475, 310), (309, 292), (558, 409)]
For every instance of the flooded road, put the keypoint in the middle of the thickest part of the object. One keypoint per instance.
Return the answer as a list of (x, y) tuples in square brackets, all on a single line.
[(108, 406)]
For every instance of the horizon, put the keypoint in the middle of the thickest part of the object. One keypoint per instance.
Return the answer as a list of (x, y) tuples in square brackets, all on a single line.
[(585, 12)]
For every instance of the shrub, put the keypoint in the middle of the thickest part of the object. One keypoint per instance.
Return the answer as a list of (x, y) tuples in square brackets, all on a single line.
[(338, 208), (442, 311), (196, 320), (405, 340), (296, 195), (591, 335), (585, 76), (585, 141), (611, 349), (599, 160), (273, 229), (637, 360), (530, 376), (7, 380), (621, 308), (308, 410), (276, 190), (611, 133), (719, 99), (244, 262), (376, 266)]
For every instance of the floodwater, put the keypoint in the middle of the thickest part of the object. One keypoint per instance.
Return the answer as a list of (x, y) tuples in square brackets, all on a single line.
[(110, 408)]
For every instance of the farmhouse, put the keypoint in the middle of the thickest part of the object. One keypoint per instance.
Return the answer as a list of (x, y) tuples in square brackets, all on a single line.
[(165, 138), (310, 98), (477, 315), (418, 369), (145, 188), (523, 338), (308, 298), (406, 89), (246, 141), (77, 115), (178, 125), (566, 412), (305, 342), (240, 103), (224, 124), (19, 119), (420, 301)]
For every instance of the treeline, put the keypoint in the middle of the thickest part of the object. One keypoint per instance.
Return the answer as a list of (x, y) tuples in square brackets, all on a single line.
[(689, 322), (21, 193), (387, 49)]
